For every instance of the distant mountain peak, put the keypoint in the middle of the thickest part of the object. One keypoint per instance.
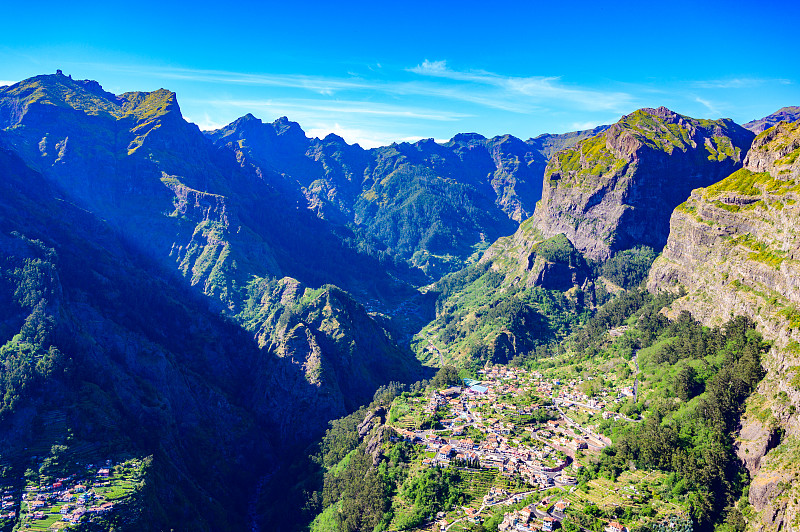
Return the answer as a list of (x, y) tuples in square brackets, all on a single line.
[(784, 114), (466, 137), (661, 112), (149, 105), (246, 121), (333, 137), (86, 96), (284, 126), (249, 118)]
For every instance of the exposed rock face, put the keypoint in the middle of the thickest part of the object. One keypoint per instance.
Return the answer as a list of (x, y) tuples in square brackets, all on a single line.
[(528, 258), (332, 344), (741, 234), (735, 248), (615, 190), (374, 431), (785, 114), (192, 210), (137, 365)]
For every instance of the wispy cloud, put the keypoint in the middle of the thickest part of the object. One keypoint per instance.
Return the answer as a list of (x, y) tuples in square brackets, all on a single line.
[(535, 90), (4, 82), (708, 105), (435, 79), (320, 84), (432, 68), (206, 123), (739, 83), (338, 107), (580, 126), (330, 86)]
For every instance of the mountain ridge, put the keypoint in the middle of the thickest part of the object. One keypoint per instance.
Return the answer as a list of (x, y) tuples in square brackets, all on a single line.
[(271, 282)]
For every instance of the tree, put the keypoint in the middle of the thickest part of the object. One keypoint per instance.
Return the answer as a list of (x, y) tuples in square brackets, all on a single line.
[(446, 376), (686, 384)]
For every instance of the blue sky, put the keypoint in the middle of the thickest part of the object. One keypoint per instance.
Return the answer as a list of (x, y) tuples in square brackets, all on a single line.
[(376, 73)]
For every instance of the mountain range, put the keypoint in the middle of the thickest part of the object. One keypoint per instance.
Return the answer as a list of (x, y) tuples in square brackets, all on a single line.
[(212, 300)]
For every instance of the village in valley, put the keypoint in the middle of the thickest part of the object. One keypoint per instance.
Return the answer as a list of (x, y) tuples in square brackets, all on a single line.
[(91, 492), (521, 438)]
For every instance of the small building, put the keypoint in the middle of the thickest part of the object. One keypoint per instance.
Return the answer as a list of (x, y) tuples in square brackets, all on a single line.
[(615, 526), (560, 508), (452, 391)]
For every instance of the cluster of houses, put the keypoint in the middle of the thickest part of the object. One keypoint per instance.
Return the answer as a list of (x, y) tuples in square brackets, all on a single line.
[(544, 517), (531, 518), (7, 505), (516, 380), (493, 408), (72, 497), (569, 392), (498, 448)]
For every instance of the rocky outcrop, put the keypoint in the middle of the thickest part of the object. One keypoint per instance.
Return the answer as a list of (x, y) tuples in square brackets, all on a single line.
[(734, 248), (527, 258), (616, 190), (332, 343), (374, 431)]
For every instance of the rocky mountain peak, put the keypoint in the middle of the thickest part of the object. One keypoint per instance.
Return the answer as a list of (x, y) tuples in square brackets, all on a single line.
[(333, 138), (784, 114), (775, 151), (661, 112), (615, 190), (468, 137), (54, 90), (247, 119), (284, 126), (150, 105)]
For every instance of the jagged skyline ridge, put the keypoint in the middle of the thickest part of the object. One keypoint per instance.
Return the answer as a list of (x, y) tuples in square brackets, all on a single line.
[(375, 76)]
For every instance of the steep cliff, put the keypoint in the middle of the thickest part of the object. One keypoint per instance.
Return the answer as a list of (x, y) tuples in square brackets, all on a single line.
[(204, 221), (104, 357), (615, 190), (338, 354), (734, 247)]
